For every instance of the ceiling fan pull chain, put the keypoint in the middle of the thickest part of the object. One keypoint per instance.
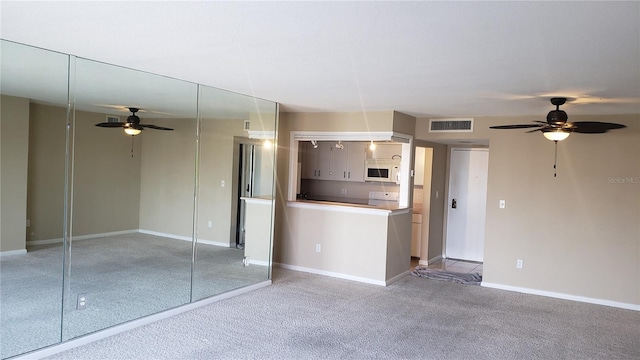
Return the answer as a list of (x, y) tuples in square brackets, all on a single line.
[(132, 146), (555, 158)]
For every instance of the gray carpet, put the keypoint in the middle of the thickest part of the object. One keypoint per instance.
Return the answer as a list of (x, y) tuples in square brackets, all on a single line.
[(305, 316), (437, 274), (125, 277)]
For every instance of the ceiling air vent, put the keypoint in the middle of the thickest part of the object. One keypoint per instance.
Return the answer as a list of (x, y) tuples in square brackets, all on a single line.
[(113, 119), (451, 125)]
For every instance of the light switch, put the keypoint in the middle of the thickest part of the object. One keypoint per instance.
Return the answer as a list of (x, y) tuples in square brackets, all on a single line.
[(503, 204)]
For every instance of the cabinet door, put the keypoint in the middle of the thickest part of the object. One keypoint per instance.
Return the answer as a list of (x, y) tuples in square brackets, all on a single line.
[(355, 161), (309, 161), (323, 167), (339, 163)]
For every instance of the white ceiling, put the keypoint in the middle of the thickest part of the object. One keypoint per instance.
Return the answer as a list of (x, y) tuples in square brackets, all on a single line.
[(427, 59)]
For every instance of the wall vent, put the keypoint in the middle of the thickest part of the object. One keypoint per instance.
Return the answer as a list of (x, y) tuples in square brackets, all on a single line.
[(451, 125), (113, 119)]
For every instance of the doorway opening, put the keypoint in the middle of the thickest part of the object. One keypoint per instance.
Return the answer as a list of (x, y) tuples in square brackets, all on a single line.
[(423, 171)]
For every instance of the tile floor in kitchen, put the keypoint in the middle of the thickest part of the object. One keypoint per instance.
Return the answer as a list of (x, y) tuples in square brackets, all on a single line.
[(458, 266)]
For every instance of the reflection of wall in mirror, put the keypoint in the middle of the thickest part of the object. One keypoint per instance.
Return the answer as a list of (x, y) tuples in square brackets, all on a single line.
[(13, 214)]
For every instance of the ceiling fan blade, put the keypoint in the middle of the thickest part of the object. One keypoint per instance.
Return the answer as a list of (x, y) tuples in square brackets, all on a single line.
[(155, 127), (594, 127), (110, 124), (520, 126)]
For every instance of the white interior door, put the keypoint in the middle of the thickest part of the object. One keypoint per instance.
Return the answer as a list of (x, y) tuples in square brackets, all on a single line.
[(467, 204)]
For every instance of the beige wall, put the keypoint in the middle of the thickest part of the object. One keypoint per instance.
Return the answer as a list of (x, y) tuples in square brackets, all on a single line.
[(14, 144), (398, 245), (47, 154), (352, 244), (106, 180), (403, 123), (578, 234), (167, 173), (358, 121)]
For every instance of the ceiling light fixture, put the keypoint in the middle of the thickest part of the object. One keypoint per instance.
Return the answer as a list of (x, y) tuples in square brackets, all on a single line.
[(372, 146), (132, 131), (314, 143), (556, 134)]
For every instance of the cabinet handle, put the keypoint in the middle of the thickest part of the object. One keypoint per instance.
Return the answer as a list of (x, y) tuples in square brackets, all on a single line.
[(349, 175), (344, 174)]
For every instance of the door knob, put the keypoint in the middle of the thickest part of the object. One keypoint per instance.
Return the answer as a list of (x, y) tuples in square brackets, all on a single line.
[(454, 204)]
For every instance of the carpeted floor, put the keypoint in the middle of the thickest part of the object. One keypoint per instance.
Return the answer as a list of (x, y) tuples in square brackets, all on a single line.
[(124, 277), (305, 316)]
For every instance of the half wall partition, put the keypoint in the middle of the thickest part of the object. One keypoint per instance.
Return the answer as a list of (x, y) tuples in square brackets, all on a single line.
[(98, 227)]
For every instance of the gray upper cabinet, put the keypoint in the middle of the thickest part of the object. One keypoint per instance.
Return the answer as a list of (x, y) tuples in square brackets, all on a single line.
[(327, 162)]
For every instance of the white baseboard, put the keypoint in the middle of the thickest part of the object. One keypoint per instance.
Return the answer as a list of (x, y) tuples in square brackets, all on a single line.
[(423, 262), (82, 237), (397, 277), (437, 258), (557, 295), (331, 274), (99, 335), (124, 232), (258, 262), (13, 252), (184, 238)]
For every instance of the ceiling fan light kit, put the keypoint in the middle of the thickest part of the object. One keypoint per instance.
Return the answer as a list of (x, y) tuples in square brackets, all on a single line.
[(132, 131), (556, 135)]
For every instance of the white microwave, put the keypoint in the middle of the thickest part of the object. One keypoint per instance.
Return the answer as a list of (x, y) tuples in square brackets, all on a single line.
[(385, 170)]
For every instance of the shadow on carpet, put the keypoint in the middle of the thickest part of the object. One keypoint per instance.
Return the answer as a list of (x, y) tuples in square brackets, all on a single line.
[(436, 274)]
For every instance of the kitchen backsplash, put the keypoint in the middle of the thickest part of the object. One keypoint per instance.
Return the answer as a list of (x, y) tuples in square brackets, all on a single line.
[(346, 189)]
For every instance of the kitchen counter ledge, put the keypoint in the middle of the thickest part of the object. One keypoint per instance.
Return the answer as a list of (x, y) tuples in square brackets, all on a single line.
[(348, 207)]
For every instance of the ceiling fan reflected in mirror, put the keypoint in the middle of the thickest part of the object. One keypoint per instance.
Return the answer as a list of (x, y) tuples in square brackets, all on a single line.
[(132, 126), (556, 128)]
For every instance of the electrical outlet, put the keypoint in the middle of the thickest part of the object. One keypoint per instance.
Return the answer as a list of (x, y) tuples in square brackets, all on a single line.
[(81, 302), (210, 223), (245, 261), (503, 204), (343, 191), (222, 183), (519, 263), (318, 247)]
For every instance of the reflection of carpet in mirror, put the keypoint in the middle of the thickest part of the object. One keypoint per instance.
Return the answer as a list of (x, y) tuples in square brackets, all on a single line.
[(124, 277)]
